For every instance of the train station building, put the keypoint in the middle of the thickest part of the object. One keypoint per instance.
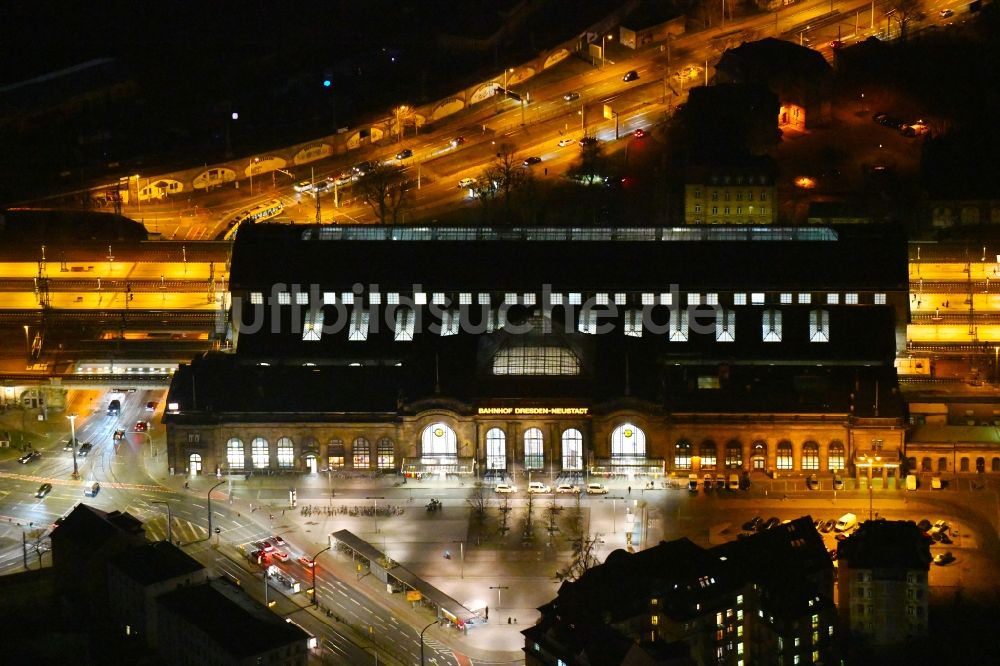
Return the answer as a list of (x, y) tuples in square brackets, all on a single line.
[(488, 352)]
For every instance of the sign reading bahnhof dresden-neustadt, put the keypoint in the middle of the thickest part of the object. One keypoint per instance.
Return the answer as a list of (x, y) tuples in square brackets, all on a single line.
[(534, 411)]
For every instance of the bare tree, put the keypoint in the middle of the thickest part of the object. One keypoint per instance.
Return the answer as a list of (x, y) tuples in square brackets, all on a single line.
[(528, 523), (384, 189), (504, 515), (902, 12), (583, 559), (506, 175), (478, 500)]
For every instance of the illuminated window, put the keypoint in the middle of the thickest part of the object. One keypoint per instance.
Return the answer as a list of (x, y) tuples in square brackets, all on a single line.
[(329, 298), (572, 451), (810, 456), (851, 299), (496, 449), (786, 298), (666, 298), (286, 453), (301, 298), (234, 454), (392, 298), (256, 298), (260, 453), (772, 326), (336, 458), (708, 453), (535, 360), (805, 299), (679, 326), (587, 322), (361, 449), (739, 299), (483, 299), (648, 299), (284, 298), (534, 445), (819, 326), (694, 299), (628, 441), (836, 456), (682, 455), (879, 299), (574, 298), (602, 299), (450, 320), (633, 323), (420, 298), (386, 454), (359, 326), (555, 299), (528, 299), (711, 299), (833, 299), (725, 325), (734, 460), (757, 298), (347, 297), (437, 298), (405, 321), (784, 457), (510, 297), (465, 298), (375, 298), (655, 620), (438, 440)]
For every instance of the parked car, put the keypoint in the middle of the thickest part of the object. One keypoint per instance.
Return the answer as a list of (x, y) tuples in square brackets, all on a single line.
[(827, 526), (847, 522), (571, 96), (812, 482), (280, 555), (566, 142), (29, 456), (772, 522), (630, 75), (753, 524), (404, 153), (534, 159), (84, 449), (505, 488), (707, 483), (942, 559), (720, 481), (538, 487), (278, 541), (466, 183), (935, 483), (939, 527), (597, 489), (43, 490), (563, 488), (692, 483), (838, 483)]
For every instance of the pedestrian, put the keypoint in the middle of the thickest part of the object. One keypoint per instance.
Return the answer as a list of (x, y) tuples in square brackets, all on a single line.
[(508, 619), (515, 620), (487, 613), (630, 490), (282, 512)]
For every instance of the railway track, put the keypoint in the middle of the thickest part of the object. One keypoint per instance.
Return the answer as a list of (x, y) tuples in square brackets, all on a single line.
[(195, 319), (74, 284)]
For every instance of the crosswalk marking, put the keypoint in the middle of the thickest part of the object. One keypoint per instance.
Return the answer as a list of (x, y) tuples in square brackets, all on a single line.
[(183, 530)]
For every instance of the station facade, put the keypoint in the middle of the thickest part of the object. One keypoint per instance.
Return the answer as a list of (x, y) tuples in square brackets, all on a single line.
[(502, 353)]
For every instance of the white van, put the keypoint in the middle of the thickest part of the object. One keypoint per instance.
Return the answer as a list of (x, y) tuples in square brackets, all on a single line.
[(596, 489), (693, 482), (734, 481), (911, 481), (538, 487), (847, 521)]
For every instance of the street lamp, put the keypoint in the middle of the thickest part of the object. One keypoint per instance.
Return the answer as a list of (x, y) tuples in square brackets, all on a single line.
[(604, 59), (461, 546), (170, 533), (399, 121), (27, 345), (376, 510), (210, 506), (498, 588), (422, 640), (253, 162), (312, 567), (72, 439)]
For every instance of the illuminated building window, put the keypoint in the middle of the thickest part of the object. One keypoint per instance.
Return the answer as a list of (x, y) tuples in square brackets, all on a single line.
[(739, 599), (783, 460), (392, 298), (286, 453), (786, 298), (528, 299), (757, 298), (734, 460), (313, 326), (628, 441), (375, 298), (739, 299), (697, 208), (715, 210), (574, 298), (772, 326), (819, 326), (726, 211), (535, 360), (301, 298), (386, 454), (697, 194), (655, 620), (879, 299), (465, 298), (715, 195), (496, 449), (797, 641), (682, 455), (555, 299), (679, 326), (805, 299), (694, 299), (648, 299), (336, 458), (833, 299), (666, 298), (359, 326), (450, 320), (438, 440), (234, 454), (725, 325), (739, 615), (361, 449), (851, 299), (420, 298), (256, 298), (284, 298), (438, 298), (510, 298), (347, 298), (483, 299), (711, 299), (602, 299), (534, 446), (810, 456), (260, 453), (708, 453), (572, 453), (587, 322), (329, 298), (405, 320), (633, 323), (836, 456)]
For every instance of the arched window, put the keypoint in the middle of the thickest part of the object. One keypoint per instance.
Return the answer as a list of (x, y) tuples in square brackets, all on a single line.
[(628, 441), (286, 453), (942, 464), (438, 440), (980, 465), (835, 460), (734, 454), (235, 457), (386, 454), (784, 459), (810, 456), (496, 449), (708, 453), (995, 465), (194, 463), (758, 455), (335, 456), (572, 450), (963, 465), (362, 450), (534, 449), (925, 464), (260, 452), (682, 455)]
